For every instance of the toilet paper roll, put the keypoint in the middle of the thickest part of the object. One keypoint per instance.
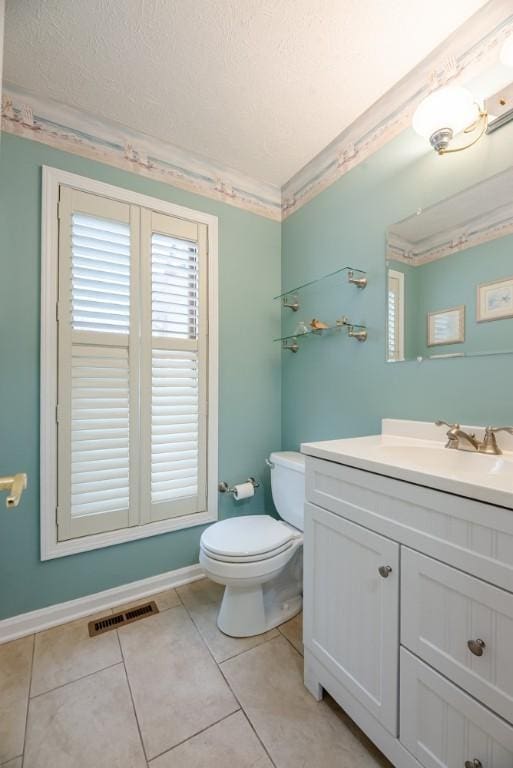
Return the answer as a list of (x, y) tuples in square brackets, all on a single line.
[(243, 491)]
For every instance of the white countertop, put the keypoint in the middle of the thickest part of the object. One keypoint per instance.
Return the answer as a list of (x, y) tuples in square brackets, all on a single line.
[(415, 452)]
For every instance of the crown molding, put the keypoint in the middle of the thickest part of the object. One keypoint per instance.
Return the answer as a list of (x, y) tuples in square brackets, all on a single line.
[(464, 55), (489, 226), (72, 130)]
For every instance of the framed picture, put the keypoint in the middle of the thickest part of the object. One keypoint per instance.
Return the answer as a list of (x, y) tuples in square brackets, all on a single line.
[(495, 300), (447, 326)]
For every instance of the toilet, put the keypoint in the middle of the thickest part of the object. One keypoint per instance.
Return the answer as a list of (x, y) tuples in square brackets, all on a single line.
[(259, 560)]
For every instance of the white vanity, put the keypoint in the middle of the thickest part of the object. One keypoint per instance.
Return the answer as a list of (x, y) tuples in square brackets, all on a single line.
[(408, 594)]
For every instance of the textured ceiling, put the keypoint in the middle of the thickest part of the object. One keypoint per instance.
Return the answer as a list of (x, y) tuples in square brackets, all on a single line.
[(260, 86)]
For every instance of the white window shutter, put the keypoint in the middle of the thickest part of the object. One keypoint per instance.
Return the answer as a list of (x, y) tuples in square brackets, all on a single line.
[(174, 366), (95, 377), (133, 366), (395, 316)]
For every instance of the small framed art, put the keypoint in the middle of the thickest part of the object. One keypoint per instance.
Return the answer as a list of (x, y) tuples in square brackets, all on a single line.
[(447, 326), (495, 300)]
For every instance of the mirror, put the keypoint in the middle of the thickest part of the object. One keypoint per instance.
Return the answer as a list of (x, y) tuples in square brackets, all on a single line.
[(450, 276)]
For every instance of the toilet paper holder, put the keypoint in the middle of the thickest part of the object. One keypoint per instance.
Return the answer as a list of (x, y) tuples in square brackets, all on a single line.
[(225, 488)]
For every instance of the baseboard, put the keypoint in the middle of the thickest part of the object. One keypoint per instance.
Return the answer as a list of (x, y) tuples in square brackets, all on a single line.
[(44, 618)]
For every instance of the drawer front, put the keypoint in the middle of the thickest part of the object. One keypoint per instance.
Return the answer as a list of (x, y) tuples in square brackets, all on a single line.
[(470, 535), (351, 612), (445, 728), (442, 611)]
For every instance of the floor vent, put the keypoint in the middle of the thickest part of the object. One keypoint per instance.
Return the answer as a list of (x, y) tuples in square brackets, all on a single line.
[(106, 623)]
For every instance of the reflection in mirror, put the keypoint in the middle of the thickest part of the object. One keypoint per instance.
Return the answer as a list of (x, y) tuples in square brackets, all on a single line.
[(450, 276)]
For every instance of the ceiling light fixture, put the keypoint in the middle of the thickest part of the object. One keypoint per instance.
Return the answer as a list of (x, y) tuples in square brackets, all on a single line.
[(447, 112)]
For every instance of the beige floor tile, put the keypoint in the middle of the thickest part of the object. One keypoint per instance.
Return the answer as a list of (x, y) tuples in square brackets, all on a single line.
[(293, 631), (164, 600), (15, 665), (231, 742), (296, 730), (202, 599), (177, 688), (90, 722), (66, 653), (16, 763)]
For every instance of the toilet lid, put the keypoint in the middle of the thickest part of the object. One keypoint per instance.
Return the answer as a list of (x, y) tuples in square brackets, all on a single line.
[(247, 536)]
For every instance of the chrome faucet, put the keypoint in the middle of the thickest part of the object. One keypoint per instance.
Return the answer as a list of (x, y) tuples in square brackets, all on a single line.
[(487, 445)]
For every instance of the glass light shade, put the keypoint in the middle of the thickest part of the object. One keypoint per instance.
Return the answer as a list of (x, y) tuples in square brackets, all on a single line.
[(449, 107), (507, 52)]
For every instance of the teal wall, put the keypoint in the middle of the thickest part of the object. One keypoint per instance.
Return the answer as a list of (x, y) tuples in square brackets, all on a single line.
[(337, 387), (451, 282), (249, 415)]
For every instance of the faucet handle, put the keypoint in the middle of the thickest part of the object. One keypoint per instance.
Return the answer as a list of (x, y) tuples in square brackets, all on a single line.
[(441, 423), (489, 444), (499, 429)]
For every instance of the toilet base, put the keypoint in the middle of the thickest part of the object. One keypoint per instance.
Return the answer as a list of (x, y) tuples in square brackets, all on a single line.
[(255, 608), (242, 613)]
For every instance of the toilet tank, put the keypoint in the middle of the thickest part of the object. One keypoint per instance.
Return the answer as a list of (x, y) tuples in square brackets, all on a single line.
[(288, 486)]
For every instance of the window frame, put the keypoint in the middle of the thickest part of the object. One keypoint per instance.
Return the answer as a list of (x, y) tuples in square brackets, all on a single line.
[(52, 180)]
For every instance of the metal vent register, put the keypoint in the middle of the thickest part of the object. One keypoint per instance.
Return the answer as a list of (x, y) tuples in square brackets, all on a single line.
[(106, 623)]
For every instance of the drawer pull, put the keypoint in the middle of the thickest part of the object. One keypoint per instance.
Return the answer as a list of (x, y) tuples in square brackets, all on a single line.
[(476, 647), (384, 570), (473, 764)]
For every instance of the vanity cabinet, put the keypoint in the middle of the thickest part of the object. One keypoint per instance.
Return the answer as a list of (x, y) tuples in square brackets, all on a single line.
[(354, 621), (408, 616)]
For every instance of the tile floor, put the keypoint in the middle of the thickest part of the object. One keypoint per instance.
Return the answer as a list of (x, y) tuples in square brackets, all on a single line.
[(170, 691)]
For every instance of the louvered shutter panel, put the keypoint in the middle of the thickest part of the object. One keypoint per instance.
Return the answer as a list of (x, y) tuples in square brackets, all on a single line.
[(174, 333), (96, 380), (395, 330)]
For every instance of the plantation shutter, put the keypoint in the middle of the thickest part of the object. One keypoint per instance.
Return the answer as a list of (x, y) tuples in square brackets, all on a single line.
[(97, 369), (174, 366), (395, 330)]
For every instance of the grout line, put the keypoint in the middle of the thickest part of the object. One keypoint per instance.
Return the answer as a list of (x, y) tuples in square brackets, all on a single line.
[(131, 697), (76, 680), (28, 698), (193, 736), (290, 642), (218, 664)]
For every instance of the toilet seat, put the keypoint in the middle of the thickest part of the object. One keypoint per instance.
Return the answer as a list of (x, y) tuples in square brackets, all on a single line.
[(247, 539), (248, 558)]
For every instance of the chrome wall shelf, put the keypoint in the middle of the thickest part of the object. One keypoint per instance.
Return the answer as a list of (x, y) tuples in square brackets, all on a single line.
[(354, 331), (290, 299)]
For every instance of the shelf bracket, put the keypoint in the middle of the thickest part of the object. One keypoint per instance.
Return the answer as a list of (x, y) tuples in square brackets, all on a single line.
[(292, 347), (355, 332), (291, 302), (360, 282)]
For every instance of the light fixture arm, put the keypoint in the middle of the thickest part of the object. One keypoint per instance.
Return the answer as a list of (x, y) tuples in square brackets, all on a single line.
[(483, 119)]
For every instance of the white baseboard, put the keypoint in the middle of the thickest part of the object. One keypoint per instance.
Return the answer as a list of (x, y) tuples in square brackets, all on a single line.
[(44, 618)]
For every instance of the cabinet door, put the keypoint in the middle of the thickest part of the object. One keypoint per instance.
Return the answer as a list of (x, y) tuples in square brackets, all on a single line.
[(351, 611), (443, 727)]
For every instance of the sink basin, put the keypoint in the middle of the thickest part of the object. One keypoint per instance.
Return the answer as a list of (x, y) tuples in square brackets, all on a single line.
[(425, 462)]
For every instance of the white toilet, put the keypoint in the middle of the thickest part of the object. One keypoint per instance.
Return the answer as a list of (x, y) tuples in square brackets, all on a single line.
[(258, 559)]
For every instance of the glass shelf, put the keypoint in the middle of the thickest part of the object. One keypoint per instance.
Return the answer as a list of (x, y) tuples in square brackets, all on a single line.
[(354, 330), (355, 276), (320, 331)]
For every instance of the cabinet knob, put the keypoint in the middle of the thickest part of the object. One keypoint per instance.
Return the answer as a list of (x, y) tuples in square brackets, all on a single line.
[(473, 764), (384, 570), (476, 647)]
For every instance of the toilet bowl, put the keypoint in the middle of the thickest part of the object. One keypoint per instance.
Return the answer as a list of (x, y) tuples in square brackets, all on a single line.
[(259, 560)]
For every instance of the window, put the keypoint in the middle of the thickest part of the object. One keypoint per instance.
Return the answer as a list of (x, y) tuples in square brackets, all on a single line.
[(129, 366), (395, 317)]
